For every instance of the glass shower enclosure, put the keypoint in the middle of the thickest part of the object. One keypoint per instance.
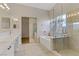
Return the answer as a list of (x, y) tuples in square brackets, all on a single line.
[(59, 32)]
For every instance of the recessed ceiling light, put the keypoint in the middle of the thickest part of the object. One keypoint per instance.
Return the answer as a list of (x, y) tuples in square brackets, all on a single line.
[(2, 6), (6, 6)]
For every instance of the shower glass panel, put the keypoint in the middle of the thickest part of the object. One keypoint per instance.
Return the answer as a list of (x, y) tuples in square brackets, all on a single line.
[(65, 29), (35, 29), (59, 32)]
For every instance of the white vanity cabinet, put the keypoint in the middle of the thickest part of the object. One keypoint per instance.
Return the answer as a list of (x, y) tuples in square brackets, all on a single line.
[(47, 42), (55, 43)]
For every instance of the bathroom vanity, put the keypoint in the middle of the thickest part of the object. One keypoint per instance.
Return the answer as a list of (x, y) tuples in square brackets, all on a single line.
[(47, 41), (55, 43), (59, 38)]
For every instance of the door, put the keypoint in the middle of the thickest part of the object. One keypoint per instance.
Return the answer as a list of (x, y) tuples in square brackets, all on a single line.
[(25, 30)]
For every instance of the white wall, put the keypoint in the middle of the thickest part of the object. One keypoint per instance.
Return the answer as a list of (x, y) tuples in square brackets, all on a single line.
[(19, 11), (44, 25)]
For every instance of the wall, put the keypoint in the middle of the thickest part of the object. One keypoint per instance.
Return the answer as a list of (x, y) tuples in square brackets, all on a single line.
[(44, 25), (19, 11)]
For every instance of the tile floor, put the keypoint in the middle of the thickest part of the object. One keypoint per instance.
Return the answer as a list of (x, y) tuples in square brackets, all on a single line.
[(69, 52), (35, 49), (32, 49)]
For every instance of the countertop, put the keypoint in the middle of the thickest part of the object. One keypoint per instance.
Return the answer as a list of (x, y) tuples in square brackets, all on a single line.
[(51, 37)]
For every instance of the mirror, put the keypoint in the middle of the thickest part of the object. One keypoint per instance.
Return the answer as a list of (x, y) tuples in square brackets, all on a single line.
[(5, 23)]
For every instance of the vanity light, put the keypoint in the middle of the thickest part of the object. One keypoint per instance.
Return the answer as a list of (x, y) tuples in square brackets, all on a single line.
[(78, 13), (69, 15), (72, 15), (2, 6)]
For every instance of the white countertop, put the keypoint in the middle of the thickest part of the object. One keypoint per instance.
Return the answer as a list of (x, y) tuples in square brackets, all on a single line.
[(51, 37)]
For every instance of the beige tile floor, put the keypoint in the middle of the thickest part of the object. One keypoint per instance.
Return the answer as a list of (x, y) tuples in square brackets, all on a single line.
[(32, 49), (35, 49), (69, 52)]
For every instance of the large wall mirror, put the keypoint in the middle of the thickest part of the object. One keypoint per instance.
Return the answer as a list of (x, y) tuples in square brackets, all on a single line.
[(5, 23)]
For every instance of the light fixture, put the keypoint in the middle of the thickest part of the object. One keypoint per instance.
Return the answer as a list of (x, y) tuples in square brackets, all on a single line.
[(6, 6), (77, 12), (69, 15), (2, 6), (72, 15)]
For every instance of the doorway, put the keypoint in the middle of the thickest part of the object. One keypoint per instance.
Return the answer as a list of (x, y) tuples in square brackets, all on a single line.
[(33, 29), (25, 30)]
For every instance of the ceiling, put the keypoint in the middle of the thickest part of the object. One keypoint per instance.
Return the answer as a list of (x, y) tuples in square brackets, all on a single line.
[(44, 6)]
